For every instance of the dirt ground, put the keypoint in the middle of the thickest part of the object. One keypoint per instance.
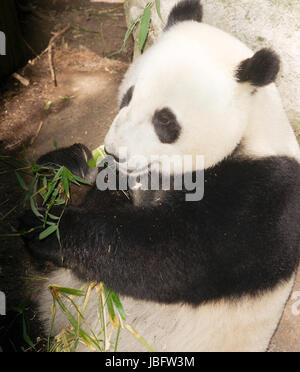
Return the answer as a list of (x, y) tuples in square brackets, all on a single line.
[(82, 108)]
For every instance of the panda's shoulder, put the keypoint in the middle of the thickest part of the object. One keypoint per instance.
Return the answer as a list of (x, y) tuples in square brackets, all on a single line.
[(275, 172), (251, 190)]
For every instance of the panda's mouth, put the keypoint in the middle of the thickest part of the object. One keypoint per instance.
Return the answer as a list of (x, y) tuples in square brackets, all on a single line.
[(125, 169)]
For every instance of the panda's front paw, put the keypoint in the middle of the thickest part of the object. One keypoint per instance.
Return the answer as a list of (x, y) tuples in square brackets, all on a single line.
[(47, 249), (75, 158)]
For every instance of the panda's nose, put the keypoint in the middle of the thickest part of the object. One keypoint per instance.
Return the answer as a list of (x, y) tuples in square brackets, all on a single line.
[(117, 159)]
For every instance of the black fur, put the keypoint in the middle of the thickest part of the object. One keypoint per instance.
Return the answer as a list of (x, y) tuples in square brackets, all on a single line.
[(75, 159), (187, 10), (127, 98), (242, 238), (166, 126), (260, 70)]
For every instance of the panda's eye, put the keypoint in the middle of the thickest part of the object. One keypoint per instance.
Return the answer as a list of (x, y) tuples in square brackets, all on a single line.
[(164, 117), (166, 125)]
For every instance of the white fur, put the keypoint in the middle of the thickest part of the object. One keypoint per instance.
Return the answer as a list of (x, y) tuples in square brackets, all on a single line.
[(245, 325)]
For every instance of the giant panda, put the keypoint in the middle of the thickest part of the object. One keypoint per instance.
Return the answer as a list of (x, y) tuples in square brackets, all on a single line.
[(206, 275)]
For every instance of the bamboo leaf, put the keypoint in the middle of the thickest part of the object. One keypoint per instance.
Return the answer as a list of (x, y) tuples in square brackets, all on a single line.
[(59, 202), (26, 336), (50, 230), (110, 309), (139, 337), (65, 182), (53, 217), (71, 291), (34, 209), (130, 30), (48, 105), (128, 33), (53, 184), (117, 303), (29, 191), (144, 29), (157, 5), (81, 180), (45, 182), (21, 182)]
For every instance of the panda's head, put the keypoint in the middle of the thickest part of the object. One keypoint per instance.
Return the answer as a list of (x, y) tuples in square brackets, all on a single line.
[(191, 93)]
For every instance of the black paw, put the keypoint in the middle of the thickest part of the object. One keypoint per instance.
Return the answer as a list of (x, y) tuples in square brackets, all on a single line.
[(75, 158), (32, 229)]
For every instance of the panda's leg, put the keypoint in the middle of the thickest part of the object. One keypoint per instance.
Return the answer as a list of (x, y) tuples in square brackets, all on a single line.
[(245, 325), (75, 158)]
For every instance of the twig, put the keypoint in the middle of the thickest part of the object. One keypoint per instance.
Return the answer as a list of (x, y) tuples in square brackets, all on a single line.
[(30, 48), (37, 133), (79, 28), (21, 79), (105, 11), (56, 35), (50, 52), (51, 66)]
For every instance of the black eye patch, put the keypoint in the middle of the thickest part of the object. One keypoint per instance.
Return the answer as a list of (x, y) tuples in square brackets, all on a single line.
[(166, 126), (127, 98)]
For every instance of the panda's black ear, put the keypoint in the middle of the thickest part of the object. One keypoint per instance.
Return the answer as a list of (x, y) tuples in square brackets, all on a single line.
[(186, 10), (260, 70)]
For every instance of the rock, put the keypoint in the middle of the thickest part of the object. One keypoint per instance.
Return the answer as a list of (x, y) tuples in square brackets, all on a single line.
[(258, 23)]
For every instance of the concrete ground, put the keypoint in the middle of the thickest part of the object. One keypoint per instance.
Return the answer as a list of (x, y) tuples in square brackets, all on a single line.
[(90, 82)]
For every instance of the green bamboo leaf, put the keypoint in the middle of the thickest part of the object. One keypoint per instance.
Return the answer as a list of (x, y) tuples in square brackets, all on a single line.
[(118, 304), (110, 308), (60, 202), (92, 163), (117, 339), (75, 345), (29, 192), (21, 182), (34, 209), (53, 184), (50, 230), (139, 337), (53, 217), (87, 339), (75, 179), (48, 105), (144, 29), (98, 153), (52, 199), (71, 291), (65, 182), (45, 182), (81, 180), (26, 336), (157, 4), (130, 30), (128, 33)]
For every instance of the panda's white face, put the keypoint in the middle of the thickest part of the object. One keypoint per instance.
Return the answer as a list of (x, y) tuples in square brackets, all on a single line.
[(182, 97)]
